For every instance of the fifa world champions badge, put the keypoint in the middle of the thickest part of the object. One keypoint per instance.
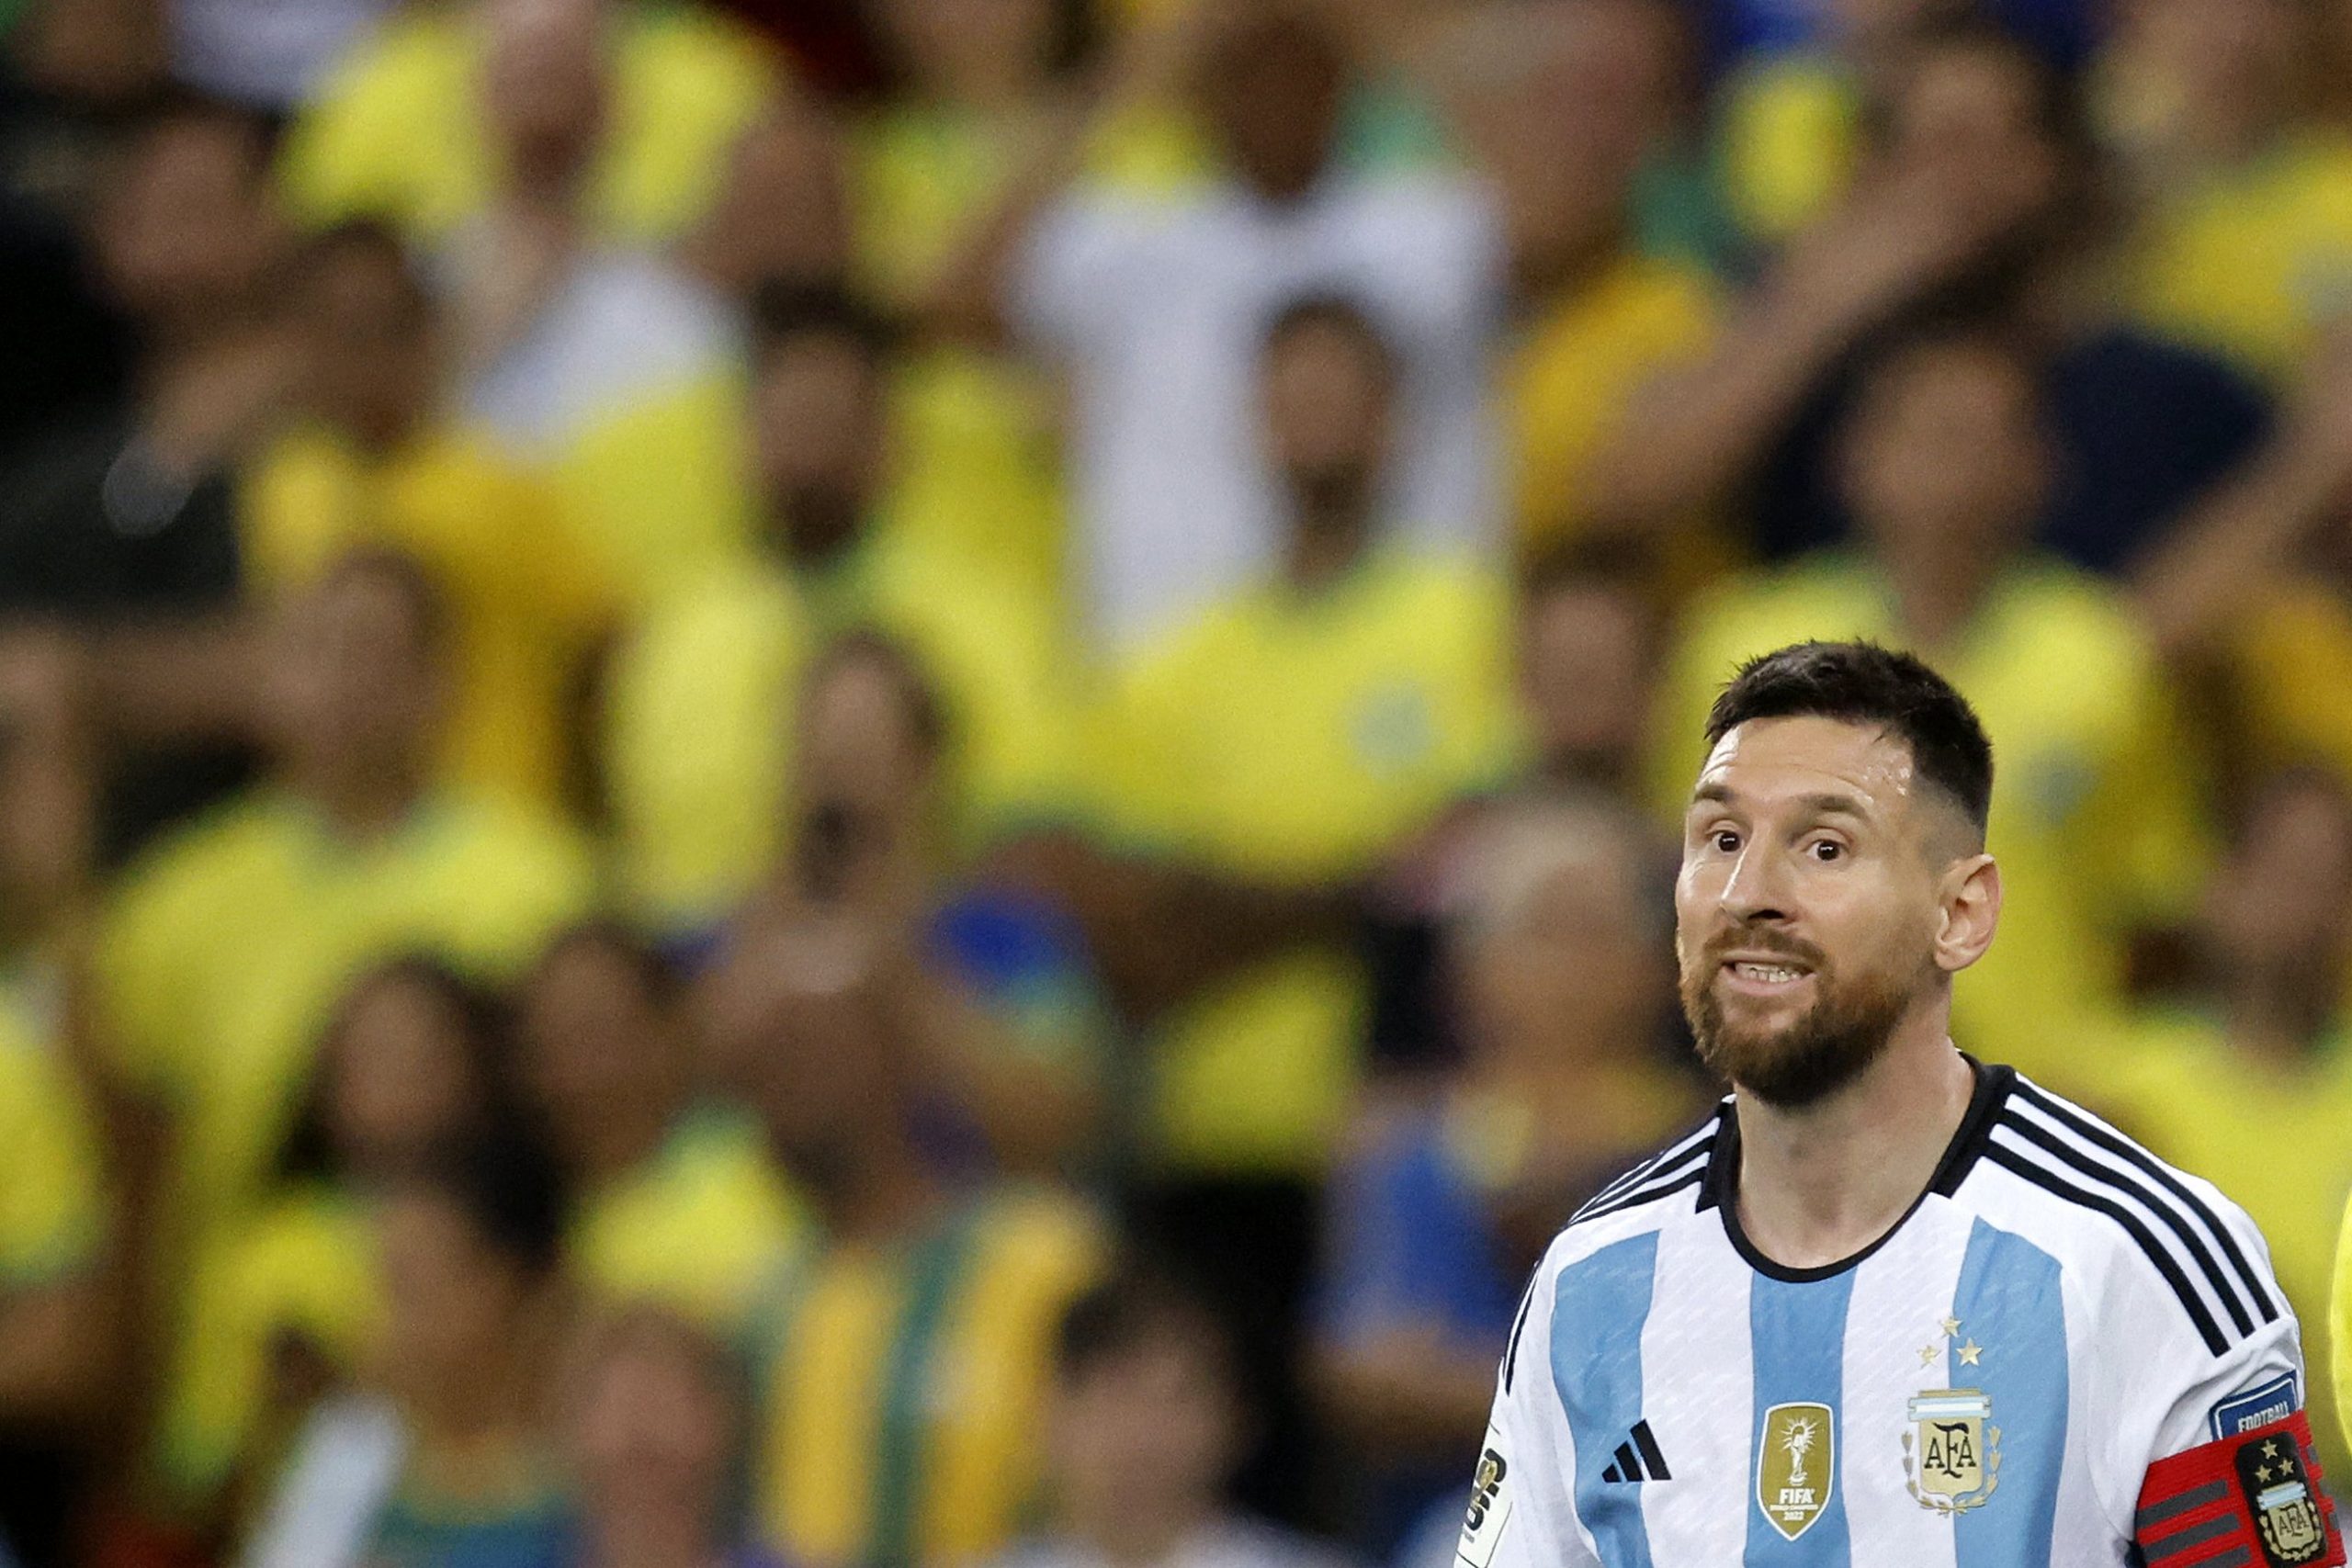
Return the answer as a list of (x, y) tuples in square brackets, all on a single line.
[(1796, 1465), (1951, 1452)]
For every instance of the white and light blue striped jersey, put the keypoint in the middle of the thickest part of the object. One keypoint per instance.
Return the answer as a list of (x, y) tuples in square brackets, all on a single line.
[(1988, 1386)]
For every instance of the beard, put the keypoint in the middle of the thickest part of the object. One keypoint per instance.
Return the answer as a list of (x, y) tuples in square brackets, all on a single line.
[(1803, 1062)]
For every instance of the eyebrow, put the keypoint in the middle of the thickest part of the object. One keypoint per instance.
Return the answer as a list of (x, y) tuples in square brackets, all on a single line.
[(1824, 803)]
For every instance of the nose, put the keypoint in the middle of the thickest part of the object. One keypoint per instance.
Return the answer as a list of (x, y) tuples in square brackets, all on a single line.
[(1756, 890)]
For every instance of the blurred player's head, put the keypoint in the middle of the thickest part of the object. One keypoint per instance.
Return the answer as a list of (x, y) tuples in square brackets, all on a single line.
[(1147, 1419), (600, 1053), (653, 1420), (2232, 71), (781, 216), (1833, 875), (186, 232), (357, 675), (1271, 90), (872, 739), (802, 1025), (1560, 942), (985, 53), (544, 86), (471, 1240), (370, 365), (1962, 388), (410, 1061), (2277, 918), (1329, 392), (1588, 646), (819, 420)]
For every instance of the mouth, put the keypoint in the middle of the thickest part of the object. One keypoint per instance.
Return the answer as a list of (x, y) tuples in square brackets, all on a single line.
[(1762, 977)]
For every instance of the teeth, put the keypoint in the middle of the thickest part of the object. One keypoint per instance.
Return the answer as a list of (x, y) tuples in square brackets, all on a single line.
[(1771, 973)]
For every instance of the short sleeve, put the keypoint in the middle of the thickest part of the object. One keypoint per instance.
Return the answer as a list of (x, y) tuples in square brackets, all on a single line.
[(1522, 1512)]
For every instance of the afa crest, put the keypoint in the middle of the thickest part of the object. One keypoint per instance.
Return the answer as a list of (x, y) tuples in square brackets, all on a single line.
[(2294, 1529), (1951, 1452)]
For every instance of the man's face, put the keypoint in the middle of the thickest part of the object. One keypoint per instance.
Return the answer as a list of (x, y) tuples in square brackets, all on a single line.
[(369, 342), (595, 1043), (817, 438), (544, 82), (1327, 416), (401, 1075), (1806, 912), (1270, 92), (1585, 679), (651, 1430), (1945, 452), (1574, 962), (354, 677), (189, 227)]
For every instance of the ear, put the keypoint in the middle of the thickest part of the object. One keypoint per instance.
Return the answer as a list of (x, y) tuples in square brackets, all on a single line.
[(1969, 910)]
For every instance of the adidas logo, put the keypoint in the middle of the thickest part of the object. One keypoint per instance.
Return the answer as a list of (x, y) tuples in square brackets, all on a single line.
[(1638, 1458)]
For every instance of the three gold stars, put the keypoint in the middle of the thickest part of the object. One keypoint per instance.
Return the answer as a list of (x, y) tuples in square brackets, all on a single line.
[(1968, 1353)]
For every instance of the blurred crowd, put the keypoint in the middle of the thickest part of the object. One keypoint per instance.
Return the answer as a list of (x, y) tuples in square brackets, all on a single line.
[(836, 782)]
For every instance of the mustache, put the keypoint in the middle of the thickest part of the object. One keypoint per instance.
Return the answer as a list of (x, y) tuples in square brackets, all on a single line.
[(1764, 940)]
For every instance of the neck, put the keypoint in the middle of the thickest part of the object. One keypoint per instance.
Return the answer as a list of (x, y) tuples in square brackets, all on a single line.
[(1820, 1182), (1139, 1532), (2280, 1015), (677, 1538), (361, 802), (1325, 543), (1939, 592)]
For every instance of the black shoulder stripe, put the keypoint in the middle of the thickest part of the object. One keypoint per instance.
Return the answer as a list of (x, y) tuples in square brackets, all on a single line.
[(1518, 1324), (1666, 1186), (1672, 1153), (2121, 1181), (2124, 1149), (2010, 1160), (1657, 1170)]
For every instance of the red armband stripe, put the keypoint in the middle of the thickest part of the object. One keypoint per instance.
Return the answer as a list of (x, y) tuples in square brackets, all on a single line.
[(2254, 1498)]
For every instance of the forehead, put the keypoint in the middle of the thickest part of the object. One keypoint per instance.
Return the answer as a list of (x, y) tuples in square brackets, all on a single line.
[(1768, 763)]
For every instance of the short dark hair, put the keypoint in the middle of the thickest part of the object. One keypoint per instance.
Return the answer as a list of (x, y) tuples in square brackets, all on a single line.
[(1861, 683), (1333, 312), (1144, 1301)]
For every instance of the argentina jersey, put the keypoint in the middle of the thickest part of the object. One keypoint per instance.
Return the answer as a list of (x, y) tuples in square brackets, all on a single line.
[(2067, 1354)]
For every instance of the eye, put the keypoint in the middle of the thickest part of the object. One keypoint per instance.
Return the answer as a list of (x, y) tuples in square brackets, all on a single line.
[(1726, 842), (1826, 849)]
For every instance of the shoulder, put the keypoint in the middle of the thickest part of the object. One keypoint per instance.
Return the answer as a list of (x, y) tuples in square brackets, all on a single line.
[(216, 851), (1643, 1200), (2129, 1228)]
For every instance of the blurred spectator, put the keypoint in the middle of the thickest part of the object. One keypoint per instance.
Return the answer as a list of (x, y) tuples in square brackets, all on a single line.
[(2092, 816), (2246, 245), (627, 110), (286, 1305), (1562, 115), (449, 1460), (1147, 1421), (370, 460), (229, 945), (920, 1327), (1156, 309), (677, 1201), (1589, 647), (1393, 701), (1010, 1010), (124, 510), (56, 1287), (1558, 952), (2247, 1081), (700, 724), (1981, 189), (654, 1422)]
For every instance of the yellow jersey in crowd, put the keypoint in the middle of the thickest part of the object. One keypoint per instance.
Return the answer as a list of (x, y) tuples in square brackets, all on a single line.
[(524, 599), (2276, 1138), (2093, 821), (397, 130), (901, 1390), (52, 1212), (229, 945), (699, 740), (1295, 737)]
